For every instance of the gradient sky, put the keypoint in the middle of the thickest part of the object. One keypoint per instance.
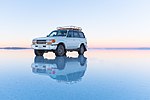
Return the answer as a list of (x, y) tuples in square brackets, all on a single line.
[(106, 23)]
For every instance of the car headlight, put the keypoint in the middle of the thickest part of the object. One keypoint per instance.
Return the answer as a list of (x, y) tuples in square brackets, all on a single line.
[(33, 41), (50, 41)]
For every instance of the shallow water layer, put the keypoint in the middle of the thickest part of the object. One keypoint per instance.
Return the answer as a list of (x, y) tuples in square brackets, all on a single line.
[(98, 75)]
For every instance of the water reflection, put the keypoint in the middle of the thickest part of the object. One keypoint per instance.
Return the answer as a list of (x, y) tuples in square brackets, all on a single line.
[(63, 69)]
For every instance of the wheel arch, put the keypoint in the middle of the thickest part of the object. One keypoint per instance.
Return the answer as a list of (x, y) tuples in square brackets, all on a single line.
[(62, 44), (83, 45)]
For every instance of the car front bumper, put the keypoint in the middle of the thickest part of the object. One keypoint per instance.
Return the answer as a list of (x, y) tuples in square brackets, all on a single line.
[(44, 46)]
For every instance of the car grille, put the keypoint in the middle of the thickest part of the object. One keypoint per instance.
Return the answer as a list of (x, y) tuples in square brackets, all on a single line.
[(41, 41)]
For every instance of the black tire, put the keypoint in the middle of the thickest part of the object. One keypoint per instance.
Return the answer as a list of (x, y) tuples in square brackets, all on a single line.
[(60, 62), (60, 51), (39, 52), (82, 59), (81, 50), (38, 59)]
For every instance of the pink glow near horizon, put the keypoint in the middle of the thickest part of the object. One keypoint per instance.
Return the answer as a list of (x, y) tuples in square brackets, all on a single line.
[(91, 44)]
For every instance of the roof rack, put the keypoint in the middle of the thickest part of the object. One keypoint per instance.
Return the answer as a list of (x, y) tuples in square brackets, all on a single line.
[(69, 28)]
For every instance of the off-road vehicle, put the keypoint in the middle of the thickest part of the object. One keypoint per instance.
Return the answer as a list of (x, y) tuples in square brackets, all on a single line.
[(68, 38)]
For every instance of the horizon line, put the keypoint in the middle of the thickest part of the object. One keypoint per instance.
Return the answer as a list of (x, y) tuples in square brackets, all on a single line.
[(94, 48)]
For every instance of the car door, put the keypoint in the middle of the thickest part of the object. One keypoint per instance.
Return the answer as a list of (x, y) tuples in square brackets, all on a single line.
[(70, 40), (76, 39)]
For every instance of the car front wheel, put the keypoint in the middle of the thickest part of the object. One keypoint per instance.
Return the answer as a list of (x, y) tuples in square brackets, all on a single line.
[(60, 51)]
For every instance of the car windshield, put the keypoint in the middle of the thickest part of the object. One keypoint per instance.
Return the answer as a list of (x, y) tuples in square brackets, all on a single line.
[(58, 33)]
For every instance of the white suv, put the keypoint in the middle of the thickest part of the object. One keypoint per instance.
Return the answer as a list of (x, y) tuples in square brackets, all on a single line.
[(60, 41)]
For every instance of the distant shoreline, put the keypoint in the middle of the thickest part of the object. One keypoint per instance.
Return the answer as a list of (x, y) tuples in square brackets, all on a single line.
[(14, 48), (136, 48)]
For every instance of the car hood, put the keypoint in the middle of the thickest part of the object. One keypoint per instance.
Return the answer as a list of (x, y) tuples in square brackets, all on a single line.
[(43, 38), (47, 38)]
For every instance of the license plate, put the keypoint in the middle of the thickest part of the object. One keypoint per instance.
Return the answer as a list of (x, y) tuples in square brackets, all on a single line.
[(40, 46)]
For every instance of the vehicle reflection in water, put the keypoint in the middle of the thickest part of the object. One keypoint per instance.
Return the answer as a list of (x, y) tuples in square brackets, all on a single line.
[(63, 69)]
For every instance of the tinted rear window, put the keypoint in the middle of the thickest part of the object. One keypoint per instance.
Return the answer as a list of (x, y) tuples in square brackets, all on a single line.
[(76, 34), (70, 34), (81, 35)]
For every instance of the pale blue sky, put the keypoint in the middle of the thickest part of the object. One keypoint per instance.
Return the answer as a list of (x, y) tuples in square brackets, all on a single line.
[(106, 23)]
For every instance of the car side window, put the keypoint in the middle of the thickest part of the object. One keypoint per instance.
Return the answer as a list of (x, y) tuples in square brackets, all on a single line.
[(81, 34), (70, 34), (75, 34)]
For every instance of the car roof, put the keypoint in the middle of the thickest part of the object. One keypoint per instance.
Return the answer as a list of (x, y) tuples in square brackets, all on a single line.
[(69, 28)]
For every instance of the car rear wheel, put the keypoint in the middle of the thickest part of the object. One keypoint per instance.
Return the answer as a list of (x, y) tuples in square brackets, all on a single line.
[(39, 52), (60, 51), (81, 50)]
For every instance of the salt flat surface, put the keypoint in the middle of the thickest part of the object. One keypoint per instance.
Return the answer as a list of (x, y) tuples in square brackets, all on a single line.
[(98, 75)]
